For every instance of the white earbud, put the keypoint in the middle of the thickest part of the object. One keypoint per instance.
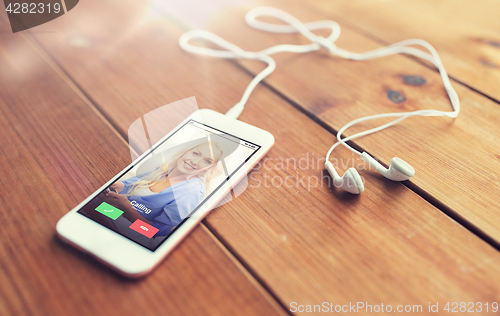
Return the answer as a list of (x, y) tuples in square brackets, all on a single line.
[(399, 170), (350, 181)]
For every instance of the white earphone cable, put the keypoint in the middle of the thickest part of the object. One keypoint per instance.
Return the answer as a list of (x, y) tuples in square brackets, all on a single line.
[(294, 25)]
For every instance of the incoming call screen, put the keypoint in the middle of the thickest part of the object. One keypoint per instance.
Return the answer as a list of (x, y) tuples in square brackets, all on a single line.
[(156, 195)]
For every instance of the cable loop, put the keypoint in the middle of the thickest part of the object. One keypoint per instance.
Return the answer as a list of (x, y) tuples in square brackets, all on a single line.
[(325, 43)]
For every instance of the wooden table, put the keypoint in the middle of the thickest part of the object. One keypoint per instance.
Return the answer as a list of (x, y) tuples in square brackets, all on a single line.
[(69, 90)]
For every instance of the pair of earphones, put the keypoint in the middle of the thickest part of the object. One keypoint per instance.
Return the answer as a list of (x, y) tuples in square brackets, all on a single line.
[(350, 181)]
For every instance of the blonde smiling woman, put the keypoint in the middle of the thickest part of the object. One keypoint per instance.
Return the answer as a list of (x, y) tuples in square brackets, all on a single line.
[(170, 192)]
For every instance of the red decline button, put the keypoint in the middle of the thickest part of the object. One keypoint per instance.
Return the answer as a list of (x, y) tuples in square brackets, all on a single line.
[(143, 228)]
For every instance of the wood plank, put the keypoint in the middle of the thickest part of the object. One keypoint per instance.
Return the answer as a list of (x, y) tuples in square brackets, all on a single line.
[(308, 245), (456, 161), (55, 152), (465, 33)]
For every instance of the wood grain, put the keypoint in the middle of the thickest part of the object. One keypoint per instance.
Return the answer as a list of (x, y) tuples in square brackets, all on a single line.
[(456, 161), (466, 33), (306, 242), (55, 152)]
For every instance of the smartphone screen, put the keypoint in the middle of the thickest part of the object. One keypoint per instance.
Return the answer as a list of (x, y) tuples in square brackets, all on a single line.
[(161, 191)]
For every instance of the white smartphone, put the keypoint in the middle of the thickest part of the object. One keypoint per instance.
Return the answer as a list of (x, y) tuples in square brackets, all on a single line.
[(136, 219)]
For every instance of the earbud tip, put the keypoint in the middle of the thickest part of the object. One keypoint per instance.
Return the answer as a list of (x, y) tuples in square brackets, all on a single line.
[(352, 182), (357, 181), (402, 167)]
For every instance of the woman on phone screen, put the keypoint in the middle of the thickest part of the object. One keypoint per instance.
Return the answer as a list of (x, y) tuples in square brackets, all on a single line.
[(169, 193)]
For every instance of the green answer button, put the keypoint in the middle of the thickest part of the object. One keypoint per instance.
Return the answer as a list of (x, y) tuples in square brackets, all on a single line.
[(109, 210)]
